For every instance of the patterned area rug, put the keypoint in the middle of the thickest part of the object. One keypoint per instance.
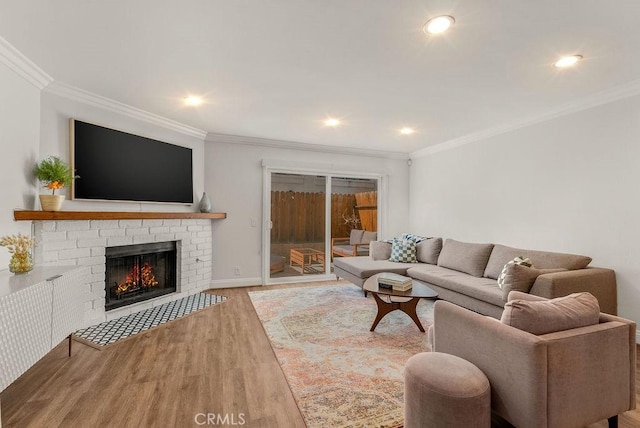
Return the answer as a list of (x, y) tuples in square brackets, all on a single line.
[(109, 332), (341, 374)]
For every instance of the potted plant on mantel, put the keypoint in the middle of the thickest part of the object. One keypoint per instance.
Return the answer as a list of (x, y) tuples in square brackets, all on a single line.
[(54, 175)]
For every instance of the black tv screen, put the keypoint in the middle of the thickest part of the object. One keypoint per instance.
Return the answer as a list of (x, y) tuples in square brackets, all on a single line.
[(117, 166)]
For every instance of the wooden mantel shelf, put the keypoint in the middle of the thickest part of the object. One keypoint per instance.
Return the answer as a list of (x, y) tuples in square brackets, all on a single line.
[(20, 215)]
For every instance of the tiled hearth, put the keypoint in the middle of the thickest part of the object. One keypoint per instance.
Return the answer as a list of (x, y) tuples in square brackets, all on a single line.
[(83, 243)]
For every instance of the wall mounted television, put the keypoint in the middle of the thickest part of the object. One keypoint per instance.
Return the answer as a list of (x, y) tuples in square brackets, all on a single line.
[(118, 166)]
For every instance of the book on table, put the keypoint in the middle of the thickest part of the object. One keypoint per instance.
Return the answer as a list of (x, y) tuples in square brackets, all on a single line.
[(402, 287), (394, 280)]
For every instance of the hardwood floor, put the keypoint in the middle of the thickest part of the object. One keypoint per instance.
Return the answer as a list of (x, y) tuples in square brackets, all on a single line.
[(216, 362)]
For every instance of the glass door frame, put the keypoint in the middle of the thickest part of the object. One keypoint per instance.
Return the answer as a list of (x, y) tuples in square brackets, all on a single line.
[(329, 174)]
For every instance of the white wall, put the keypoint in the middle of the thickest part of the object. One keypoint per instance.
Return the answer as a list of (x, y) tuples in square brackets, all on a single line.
[(54, 140), (571, 184), (233, 180), (19, 140)]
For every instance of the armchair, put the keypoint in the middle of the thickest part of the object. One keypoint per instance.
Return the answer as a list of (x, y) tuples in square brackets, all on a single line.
[(357, 244), (568, 378)]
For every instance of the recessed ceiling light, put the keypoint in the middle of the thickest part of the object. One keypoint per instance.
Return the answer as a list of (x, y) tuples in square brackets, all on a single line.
[(438, 25), (192, 100), (332, 122), (407, 131), (567, 61)]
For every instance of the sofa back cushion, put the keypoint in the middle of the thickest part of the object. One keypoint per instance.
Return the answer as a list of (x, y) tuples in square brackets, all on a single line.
[(501, 254), (380, 250), (356, 236), (465, 257), (367, 237), (548, 316), (428, 250)]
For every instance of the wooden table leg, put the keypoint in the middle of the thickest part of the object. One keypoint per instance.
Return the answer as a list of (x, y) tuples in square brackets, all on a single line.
[(408, 308), (70, 341)]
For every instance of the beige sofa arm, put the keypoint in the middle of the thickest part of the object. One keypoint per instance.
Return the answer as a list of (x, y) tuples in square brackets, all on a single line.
[(514, 361), (598, 281)]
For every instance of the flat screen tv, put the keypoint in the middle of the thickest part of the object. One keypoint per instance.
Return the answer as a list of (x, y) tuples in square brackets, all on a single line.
[(117, 166)]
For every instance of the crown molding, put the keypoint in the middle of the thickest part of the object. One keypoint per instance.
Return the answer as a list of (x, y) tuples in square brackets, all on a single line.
[(16, 61), (257, 141), (599, 98), (80, 95)]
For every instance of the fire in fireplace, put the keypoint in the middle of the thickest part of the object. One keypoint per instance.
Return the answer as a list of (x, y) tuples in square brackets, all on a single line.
[(139, 272)]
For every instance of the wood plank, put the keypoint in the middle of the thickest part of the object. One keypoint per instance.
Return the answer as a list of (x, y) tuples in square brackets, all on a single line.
[(21, 215)]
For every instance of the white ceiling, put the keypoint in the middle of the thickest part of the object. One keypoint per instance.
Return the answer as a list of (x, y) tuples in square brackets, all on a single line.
[(276, 68)]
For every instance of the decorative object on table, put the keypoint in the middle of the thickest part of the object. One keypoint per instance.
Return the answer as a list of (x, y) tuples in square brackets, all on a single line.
[(205, 203), (20, 248), (54, 174)]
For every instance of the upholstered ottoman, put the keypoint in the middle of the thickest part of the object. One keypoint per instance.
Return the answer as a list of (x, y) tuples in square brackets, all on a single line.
[(442, 390)]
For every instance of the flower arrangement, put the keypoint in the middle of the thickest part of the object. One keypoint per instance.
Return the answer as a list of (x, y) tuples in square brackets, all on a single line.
[(20, 247), (351, 220), (54, 173)]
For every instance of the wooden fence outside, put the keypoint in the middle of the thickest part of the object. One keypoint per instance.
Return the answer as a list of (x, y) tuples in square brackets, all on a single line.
[(298, 217)]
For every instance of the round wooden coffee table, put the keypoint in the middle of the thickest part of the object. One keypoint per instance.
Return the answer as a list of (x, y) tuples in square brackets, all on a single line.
[(407, 304)]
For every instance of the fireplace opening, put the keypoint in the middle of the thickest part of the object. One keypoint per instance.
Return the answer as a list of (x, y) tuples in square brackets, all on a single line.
[(135, 273)]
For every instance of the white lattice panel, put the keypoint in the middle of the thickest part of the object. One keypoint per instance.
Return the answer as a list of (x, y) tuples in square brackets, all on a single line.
[(25, 330), (67, 305)]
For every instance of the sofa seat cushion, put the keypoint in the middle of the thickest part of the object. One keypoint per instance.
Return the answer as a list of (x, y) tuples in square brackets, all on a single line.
[(501, 254), (466, 257), (363, 250), (365, 266), (484, 289)]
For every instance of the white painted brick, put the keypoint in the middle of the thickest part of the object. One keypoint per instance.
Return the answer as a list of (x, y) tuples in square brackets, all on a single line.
[(104, 224), (73, 225), (208, 252), (150, 223), (92, 261), (99, 268), (112, 232), (52, 236), (189, 273), (162, 237), (71, 262), (100, 251), (130, 223), (203, 234), (74, 254), (172, 222), (198, 241), (195, 254), (143, 239), (48, 226), (97, 288), (117, 241), (58, 245), (50, 256), (89, 243), (203, 222), (98, 304), (204, 271), (131, 231), (194, 228), (88, 306), (185, 236), (203, 246), (94, 277), (178, 229), (162, 229), (83, 234)]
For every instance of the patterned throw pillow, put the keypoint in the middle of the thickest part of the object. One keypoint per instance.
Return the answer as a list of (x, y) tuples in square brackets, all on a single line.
[(415, 238), (403, 251), (522, 261)]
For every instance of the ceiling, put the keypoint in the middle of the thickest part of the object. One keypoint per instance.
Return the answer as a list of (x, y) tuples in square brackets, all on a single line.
[(276, 69)]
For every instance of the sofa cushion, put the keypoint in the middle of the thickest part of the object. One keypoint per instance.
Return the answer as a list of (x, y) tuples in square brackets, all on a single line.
[(564, 313), (501, 254), (363, 250), (415, 238), (465, 257), (364, 267), (403, 250), (484, 289), (523, 261), (521, 278), (427, 251), (380, 250), (356, 236), (367, 237)]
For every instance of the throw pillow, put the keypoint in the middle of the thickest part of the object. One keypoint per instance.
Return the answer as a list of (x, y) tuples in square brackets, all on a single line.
[(380, 250), (403, 251), (521, 278), (523, 261), (548, 316), (415, 238)]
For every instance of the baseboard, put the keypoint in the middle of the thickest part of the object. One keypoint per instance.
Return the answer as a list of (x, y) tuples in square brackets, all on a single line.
[(235, 282)]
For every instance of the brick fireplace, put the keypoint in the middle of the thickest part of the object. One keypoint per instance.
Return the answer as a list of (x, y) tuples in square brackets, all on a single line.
[(85, 243)]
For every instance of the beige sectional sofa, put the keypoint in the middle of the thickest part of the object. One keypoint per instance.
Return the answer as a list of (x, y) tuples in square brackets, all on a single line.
[(466, 273)]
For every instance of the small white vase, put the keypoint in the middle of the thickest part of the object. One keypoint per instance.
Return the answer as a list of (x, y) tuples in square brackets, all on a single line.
[(51, 202), (205, 203)]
